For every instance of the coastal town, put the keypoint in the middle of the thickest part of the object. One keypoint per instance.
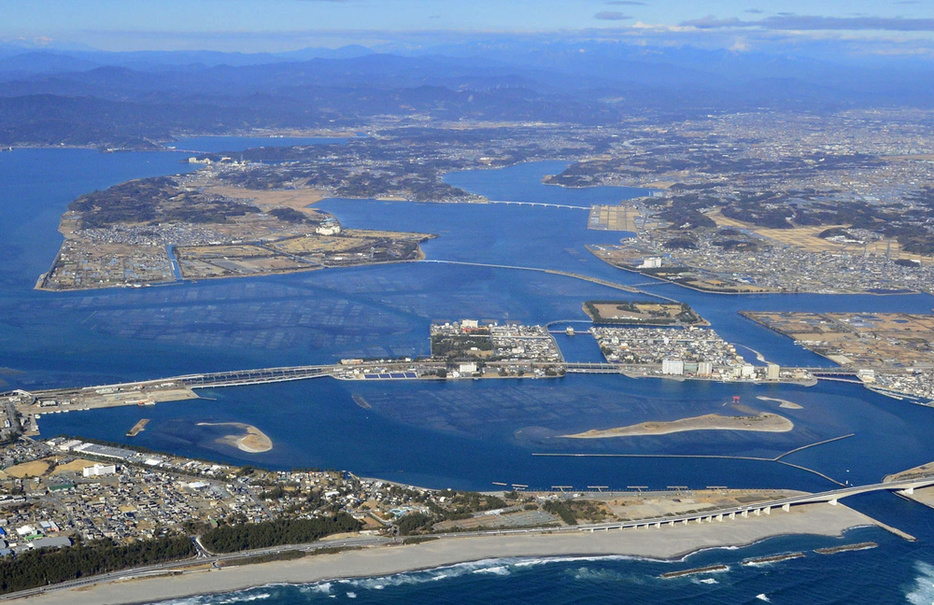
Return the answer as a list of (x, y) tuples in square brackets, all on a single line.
[(58, 492), (718, 260), (62, 494), (698, 352)]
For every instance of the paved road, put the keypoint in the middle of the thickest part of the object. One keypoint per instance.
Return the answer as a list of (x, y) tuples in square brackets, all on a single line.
[(201, 559)]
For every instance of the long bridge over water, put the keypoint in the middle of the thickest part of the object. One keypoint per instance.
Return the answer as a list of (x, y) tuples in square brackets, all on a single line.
[(904, 487), (539, 204), (588, 278), (256, 376), (283, 374)]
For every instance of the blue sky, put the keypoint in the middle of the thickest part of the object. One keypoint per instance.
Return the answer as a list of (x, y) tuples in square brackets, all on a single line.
[(880, 26)]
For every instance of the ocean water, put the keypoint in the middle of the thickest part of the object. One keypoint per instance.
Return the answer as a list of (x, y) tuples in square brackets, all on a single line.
[(460, 434), (843, 578)]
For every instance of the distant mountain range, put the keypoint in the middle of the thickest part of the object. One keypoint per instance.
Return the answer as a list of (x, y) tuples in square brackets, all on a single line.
[(86, 97)]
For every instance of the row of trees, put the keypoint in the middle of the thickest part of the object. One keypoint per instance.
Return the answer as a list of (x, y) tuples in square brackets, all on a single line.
[(233, 538), (45, 566)]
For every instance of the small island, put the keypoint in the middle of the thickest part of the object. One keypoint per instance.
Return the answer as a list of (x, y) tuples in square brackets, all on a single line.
[(783, 403), (643, 313), (764, 422), (246, 438)]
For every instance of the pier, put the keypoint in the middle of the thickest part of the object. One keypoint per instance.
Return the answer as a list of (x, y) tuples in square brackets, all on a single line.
[(138, 428)]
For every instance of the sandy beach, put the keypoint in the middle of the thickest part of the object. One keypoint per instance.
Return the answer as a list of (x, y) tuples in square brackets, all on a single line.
[(662, 543), (764, 422)]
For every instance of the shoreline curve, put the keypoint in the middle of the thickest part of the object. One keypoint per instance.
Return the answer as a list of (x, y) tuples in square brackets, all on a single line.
[(667, 544)]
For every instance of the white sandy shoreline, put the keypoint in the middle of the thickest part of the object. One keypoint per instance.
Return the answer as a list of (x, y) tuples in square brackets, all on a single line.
[(665, 543)]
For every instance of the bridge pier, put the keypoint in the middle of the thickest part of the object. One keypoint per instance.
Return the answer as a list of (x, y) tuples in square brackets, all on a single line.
[(830, 497)]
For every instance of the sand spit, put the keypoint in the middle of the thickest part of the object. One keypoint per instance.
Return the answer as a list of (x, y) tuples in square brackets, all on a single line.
[(788, 405), (249, 439), (765, 422)]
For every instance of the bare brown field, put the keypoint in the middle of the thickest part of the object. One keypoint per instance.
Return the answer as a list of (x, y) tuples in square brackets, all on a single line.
[(722, 286), (75, 466), (861, 339), (297, 199), (806, 238), (35, 468), (658, 184), (613, 218), (349, 239), (239, 250), (647, 506)]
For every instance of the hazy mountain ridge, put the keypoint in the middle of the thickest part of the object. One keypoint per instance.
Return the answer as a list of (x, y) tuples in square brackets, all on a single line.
[(96, 98)]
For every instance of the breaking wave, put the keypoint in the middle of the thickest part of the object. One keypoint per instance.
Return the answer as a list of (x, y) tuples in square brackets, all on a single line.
[(922, 591)]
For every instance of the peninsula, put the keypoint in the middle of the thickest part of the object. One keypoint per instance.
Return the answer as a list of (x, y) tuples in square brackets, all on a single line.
[(167, 229)]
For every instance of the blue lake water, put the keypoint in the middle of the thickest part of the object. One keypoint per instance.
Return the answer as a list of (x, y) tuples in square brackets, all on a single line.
[(217, 144), (523, 183), (456, 434)]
